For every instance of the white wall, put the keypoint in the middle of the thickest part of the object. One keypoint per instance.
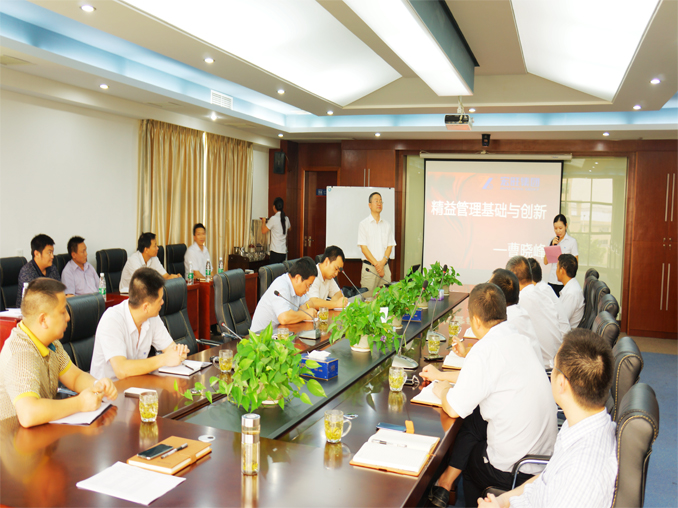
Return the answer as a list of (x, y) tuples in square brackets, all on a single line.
[(65, 171), (260, 205)]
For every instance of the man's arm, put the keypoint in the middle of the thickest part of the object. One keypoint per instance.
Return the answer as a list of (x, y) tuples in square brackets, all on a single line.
[(290, 317), (366, 252), (503, 501), (441, 389), (124, 368), (78, 381)]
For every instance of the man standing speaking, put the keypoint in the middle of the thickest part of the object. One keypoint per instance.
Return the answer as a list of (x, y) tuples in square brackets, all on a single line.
[(376, 241)]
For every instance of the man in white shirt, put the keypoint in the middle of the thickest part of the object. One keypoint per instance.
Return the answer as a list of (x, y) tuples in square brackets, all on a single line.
[(198, 253), (571, 298), (292, 287), (542, 311), (145, 255), (540, 284), (78, 275), (127, 331), (376, 241), (325, 286), (502, 393), (583, 468), (515, 314)]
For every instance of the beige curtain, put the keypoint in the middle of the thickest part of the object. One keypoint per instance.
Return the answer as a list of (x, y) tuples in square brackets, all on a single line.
[(228, 196), (170, 195)]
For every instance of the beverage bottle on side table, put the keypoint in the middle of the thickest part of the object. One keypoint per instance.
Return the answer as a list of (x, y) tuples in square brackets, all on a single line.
[(208, 271), (102, 285), (189, 275)]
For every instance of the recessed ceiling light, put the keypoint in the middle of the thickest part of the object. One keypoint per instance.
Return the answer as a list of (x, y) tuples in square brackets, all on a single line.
[(637, 107), (209, 60), (280, 135), (377, 134), (87, 8), (655, 81), (330, 112), (595, 163), (281, 91), (103, 86), (213, 116), (606, 133), (589, 170), (471, 110)]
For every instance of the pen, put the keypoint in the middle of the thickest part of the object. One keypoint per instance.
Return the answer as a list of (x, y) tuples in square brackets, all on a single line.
[(165, 455), (379, 441)]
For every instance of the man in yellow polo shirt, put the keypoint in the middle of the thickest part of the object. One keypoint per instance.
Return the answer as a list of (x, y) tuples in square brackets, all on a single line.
[(33, 361)]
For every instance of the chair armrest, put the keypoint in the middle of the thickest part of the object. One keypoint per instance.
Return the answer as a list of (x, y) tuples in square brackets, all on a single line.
[(528, 459), (211, 343)]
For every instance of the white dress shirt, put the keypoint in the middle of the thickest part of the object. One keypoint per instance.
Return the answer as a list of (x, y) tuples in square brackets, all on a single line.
[(134, 262), (80, 281), (546, 290), (198, 257), (503, 377), (517, 316), (543, 287), (117, 335), (278, 238), (376, 236), (322, 288), (571, 302), (271, 306), (568, 245), (544, 315), (582, 470)]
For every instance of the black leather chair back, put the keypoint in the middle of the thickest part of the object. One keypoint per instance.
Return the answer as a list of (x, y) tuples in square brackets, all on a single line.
[(319, 259), (174, 260), (9, 280), (110, 262), (592, 272), (607, 327), (609, 303), (628, 363), (174, 314), (594, 292), (637, 429), (230, 305), (85, 312), (267, 274), (60, 261), (161, 255), (288, 263)]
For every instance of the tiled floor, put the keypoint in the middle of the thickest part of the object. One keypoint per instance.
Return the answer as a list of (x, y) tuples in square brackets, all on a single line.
[(651, 345)]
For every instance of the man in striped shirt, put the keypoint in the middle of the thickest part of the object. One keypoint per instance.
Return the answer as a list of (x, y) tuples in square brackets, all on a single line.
[(583, 468)]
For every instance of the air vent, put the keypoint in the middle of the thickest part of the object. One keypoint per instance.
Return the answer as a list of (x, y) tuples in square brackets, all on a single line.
[(219, 99)]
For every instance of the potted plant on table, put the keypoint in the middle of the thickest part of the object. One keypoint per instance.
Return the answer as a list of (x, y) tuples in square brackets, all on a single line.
[(266, 370), (361, 322), (395, 298), (443, 276)]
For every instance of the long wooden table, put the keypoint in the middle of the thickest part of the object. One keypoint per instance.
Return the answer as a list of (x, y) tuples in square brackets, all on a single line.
[(41, 466)]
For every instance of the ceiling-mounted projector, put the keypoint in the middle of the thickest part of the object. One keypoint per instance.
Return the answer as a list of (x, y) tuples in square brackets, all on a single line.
[(459, 122)]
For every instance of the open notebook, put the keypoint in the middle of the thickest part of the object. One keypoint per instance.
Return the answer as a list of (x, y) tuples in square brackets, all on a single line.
[(452, 361), (427, 397), (186, 368), (396, 452)]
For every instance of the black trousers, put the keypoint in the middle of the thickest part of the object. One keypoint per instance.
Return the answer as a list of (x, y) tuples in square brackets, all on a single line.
[(276, 257), (557, 288), (470, 455)]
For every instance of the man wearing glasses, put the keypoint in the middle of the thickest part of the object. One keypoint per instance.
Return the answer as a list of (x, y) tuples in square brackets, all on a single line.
[(376, 241), (325, 287)]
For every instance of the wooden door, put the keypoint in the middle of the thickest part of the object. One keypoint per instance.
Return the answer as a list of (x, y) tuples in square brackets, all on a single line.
[(315, 210), (353, 168), (655, 196), (381, 168)]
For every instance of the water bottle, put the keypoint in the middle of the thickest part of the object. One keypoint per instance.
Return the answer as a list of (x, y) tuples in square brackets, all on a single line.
[(102, 285), (208, 271), (189, 275), (23, 291), (221, 266)]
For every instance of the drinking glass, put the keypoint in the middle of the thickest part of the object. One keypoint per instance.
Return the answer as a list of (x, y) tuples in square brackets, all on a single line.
[(225, 360), (323, 314), (334, 425), (396, 379), (283, 334), (433, 341), (148, 406), (455, 327)]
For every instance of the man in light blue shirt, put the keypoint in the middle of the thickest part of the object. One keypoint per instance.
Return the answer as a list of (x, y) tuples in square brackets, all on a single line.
[(78, 275), (292, 286)]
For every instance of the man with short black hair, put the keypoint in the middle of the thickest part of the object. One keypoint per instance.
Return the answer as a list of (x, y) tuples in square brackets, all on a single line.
[(79, 275), (325, 286), (33, 362), (127, 331), (198, 253), (376, 241), (292, 286), (583, 468), (42, 251), (145, 255), (571, 300)]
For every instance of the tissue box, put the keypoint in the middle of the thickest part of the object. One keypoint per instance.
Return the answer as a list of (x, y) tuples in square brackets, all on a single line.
[(328, 368), (415, 317)]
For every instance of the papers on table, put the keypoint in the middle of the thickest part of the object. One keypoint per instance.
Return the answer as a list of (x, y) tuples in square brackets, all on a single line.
[(427, 397), (187, 368), (468, 334), (552, 253), (11, 313), (452, 361), (83, 418), (130, 483)]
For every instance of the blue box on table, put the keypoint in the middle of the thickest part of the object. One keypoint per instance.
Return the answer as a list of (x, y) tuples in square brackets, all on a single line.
[(415, 317), (327, 369)]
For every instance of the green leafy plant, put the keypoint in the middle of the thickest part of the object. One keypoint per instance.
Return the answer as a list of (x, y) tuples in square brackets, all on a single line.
[(394, 297), (363, 318), (441, 277), (265, 369)]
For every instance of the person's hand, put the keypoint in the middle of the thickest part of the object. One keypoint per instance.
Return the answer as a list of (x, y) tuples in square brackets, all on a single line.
[(489, 502), (175, 276), (313, 312), (440, 388), (380, 271), (89, 399), (106, 386), (458, 347), (555, 241), (430, 373), (175, 355)]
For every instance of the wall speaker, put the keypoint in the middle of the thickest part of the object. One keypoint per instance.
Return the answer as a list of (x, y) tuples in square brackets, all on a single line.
[(279, 163)]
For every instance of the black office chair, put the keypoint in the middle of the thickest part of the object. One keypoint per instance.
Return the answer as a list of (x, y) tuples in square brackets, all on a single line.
[(628, 363), (174, 260), (267, 274), (589, 309), (288, 263), (607, 327), (609, 303), (161, 255), (230, 305), (111, 262), (60, 261), (594, 292), (9, 280), (85, 312), (319, 258)]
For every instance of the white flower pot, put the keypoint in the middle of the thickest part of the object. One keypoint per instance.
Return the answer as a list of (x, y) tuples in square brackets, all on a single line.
[(396, 322), (363, 346)]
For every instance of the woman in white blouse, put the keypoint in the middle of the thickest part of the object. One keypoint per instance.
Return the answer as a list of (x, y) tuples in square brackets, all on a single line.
[(279, 226), (568, 245)]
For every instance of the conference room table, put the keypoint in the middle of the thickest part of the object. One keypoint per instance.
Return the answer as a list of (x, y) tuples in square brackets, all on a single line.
[(41, 466)]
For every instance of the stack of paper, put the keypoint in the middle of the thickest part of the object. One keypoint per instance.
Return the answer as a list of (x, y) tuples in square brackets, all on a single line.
[(468, 334), (187, 368), (427, 397), (83, 418), (452, 361)]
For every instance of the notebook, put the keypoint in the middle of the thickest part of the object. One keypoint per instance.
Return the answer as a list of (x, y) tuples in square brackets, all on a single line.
[(178, 460), (186, 368), (452, 361), (427, 397)]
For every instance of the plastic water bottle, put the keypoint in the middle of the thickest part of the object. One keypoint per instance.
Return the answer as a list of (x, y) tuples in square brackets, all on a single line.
[(102, 285), (23, 291), (221, 266), (189, 275), (208, 271)]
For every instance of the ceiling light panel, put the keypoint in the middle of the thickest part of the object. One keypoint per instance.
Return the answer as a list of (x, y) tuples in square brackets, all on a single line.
[(398, 25), (582, 44), (296, 40)]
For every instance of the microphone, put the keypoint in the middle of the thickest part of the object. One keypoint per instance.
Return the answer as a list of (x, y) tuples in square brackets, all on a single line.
[(357, 290), (231, 334), (388, 283), (404, 361), (316, 333)]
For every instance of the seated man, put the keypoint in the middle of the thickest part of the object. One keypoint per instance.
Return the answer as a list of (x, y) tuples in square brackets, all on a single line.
[(502, 393), (127, 331), (325, 286), (198, 253), (78, 275), (583, 468), (571, 300), (292, 286), (33, 361), (515, 314), (542, 311), (540, 284), (42, 250), (145, 255)]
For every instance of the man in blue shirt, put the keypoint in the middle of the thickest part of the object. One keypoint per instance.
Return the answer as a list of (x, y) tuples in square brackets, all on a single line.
[(79, 275), (42, 250)]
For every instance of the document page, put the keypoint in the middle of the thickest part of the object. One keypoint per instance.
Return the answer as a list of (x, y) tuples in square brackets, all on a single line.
[(186, 368), (452, 361), (83, 418), (427, 397)]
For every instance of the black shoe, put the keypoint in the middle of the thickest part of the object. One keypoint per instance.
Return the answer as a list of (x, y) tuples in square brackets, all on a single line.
[(440, 496)]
